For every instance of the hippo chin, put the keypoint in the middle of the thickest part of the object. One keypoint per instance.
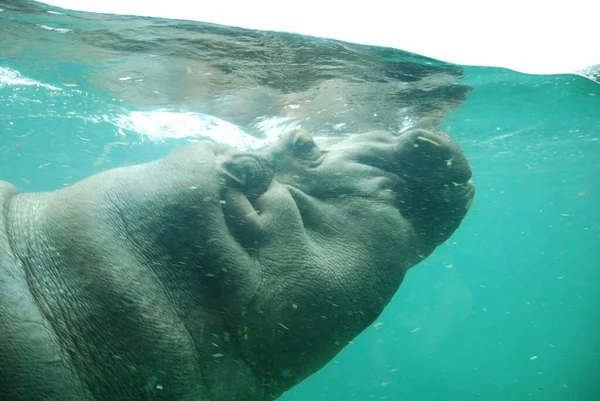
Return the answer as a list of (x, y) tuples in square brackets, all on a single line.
[(213, 274)]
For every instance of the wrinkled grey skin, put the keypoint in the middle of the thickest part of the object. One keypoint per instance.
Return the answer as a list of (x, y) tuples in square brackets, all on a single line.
[(212, 274)]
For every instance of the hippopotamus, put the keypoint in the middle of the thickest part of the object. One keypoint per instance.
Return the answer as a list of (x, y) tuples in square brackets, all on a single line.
[(215, 273)]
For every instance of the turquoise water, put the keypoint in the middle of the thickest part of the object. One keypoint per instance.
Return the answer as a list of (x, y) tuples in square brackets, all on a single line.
[(507, 309)]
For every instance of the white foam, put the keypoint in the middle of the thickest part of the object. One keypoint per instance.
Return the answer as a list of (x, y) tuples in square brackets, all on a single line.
[(51, 28), (10, 77), (160, 125)]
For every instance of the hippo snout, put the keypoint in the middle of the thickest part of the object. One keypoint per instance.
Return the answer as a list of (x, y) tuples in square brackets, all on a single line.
[(432, 157)]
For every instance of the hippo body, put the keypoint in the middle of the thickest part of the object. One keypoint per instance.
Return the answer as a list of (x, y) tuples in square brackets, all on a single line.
[(214, 274)]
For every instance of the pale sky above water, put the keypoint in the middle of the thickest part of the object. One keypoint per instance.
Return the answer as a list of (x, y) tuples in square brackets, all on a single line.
[(532, 36)]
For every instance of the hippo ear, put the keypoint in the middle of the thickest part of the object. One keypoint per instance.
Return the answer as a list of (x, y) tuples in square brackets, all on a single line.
[(246, 170), (234, 172)]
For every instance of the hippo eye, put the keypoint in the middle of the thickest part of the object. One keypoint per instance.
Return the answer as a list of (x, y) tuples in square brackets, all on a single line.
[(304, 146)]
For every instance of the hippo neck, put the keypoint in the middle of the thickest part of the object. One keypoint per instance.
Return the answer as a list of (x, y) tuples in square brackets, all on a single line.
[(7, 191), (105, 306), (27, 334)]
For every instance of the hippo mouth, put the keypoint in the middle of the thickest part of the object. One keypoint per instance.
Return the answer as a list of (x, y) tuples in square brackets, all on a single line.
[(464, 190)]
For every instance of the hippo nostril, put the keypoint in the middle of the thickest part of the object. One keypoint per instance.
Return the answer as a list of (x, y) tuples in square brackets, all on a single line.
[(436, 157)]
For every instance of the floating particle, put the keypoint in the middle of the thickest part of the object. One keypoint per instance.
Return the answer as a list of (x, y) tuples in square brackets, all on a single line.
[(24, 135), (378, 325), (217, 355), (415, 329), (533, 358)]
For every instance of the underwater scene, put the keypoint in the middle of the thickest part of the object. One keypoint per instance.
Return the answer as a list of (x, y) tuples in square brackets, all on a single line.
[(500, 302)]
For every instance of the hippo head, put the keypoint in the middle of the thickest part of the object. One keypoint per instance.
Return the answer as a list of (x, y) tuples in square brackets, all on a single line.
[(329, 232), (218, 274)]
